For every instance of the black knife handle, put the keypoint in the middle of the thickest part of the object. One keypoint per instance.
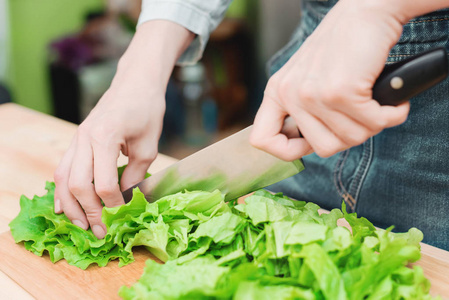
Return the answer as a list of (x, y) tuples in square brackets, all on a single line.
[(403, 80)]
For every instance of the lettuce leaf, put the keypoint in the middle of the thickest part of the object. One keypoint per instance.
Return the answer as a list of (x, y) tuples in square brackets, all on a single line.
[(270, 247), (162, 227), (274, 248)]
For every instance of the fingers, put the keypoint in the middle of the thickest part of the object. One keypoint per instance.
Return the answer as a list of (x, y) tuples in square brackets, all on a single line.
[(89, 161), (105, 175), (374, 116), (75, 193), (322, 140), (64, 200), (81, 186), (267, 133), (139, 162), (61, 176), (326, 131), (334, 132)]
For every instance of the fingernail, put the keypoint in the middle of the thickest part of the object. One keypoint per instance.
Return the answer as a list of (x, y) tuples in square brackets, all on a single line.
[(98, 231), (79, 224), (57, 206)]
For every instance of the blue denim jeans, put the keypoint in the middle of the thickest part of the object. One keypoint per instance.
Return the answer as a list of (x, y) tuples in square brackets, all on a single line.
[(399, 177)]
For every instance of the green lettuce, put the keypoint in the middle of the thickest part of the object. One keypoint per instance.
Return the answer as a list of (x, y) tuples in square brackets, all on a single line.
[(162, 227), (270, 247)]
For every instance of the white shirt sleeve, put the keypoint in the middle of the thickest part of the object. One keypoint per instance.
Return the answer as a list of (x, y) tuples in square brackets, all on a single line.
[(199, 16)]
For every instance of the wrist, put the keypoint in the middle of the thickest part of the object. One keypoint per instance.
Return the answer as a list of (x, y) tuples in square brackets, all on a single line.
[(153, 52), (385, 10)]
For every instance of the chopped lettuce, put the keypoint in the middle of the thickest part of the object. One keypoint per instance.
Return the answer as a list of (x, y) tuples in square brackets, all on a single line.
[(162, 227), (271, 247)]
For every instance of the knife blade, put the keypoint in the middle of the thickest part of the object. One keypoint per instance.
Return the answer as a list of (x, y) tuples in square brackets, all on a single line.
[(211, 168), (236, 168)]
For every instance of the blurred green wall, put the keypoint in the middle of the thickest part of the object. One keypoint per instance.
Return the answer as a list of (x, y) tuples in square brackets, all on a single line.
[(33, 24)]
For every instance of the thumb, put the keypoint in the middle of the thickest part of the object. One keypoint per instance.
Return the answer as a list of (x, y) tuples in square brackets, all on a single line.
[(269, 135)]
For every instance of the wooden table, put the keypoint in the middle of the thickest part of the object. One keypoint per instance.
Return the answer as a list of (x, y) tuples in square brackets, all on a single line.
[(31, 145)]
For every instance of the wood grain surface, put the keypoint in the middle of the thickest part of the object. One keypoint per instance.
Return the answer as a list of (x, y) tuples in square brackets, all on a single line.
[(45, 280), (31, 145)]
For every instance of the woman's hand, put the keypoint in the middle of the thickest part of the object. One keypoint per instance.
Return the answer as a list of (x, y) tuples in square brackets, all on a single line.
[(128, 119), (88, 170), (326, 86)]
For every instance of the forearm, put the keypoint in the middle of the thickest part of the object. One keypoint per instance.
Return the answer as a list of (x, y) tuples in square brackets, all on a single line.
[(153, 52)]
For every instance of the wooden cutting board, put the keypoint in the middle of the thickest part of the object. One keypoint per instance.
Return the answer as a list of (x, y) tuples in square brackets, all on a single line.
[(45, 280), (31, 145)]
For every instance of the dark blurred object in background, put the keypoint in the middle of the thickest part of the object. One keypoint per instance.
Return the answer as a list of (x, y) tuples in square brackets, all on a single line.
[(199, 108), (82, 65), (230, 62), (5, 96), (174, 118)]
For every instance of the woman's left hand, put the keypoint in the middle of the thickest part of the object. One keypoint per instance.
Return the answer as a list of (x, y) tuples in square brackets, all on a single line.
[(326, 86)]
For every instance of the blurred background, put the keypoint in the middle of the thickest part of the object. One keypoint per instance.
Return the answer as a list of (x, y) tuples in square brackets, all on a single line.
[(59, 57)]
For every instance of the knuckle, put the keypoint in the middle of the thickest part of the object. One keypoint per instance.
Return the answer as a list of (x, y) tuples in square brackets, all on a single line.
[(334, 94), (59, 175), (379, 124), (147, 157), (255, 141), (92, 214), (352, 140), (324, 150), (332, 97), (356, 138), (101, 134), (307, 94), (288, 156), (77, 186), (105, 190), (366, 135), (285, 86), (274, 80)]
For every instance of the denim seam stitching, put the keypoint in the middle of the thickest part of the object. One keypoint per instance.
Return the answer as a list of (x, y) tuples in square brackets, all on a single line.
[(402, 55), (360, 177), (428, 20), (368, 164), (349, 200), (358, 171), (336, 169), (360, 167), (340, 180)]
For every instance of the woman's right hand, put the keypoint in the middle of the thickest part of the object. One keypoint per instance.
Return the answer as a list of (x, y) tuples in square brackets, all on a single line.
[(128, 119)]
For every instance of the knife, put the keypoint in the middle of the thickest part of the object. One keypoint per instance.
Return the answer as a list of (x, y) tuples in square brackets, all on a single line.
[(236, 168)]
